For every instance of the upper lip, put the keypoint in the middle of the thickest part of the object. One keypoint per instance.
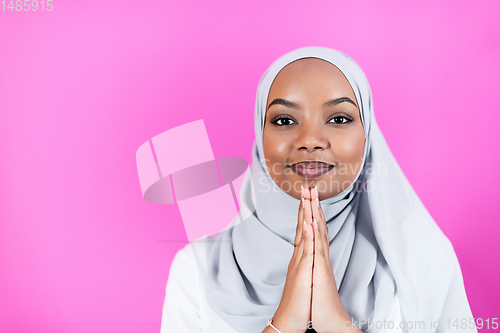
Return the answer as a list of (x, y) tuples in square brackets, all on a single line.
[(307, 163)]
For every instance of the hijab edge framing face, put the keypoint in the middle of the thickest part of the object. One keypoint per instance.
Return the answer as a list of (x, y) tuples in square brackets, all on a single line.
[(341, 63)]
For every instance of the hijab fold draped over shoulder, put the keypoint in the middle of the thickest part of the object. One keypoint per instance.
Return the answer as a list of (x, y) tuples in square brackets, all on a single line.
[(384, 244)]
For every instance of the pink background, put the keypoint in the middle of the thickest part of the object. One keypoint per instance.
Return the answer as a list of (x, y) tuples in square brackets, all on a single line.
[(83, 86)]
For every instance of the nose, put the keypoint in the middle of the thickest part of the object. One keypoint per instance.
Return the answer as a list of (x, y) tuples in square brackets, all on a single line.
[(311, 138)]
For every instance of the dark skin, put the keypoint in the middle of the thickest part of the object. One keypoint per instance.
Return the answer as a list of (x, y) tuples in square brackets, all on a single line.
[(323, 124), (312, 130)]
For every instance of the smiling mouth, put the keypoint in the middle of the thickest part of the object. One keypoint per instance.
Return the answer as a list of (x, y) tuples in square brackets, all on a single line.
[(311, 169)]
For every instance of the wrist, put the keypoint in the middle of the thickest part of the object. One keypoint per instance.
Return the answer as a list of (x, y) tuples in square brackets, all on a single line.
[(286, 325), (270, 324)]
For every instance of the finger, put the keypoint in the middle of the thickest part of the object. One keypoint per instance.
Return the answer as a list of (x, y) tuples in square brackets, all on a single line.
[(300, 219), (319, 205), (317, 210), (300, 247), (308, 247), (298, 252), (307, 193), (315, 197), (307, 207), (299, 235), (319, 243), (322, 229), (308, 250)]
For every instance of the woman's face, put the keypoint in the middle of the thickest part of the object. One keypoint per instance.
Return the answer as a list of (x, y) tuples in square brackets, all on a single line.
[(313, 133)]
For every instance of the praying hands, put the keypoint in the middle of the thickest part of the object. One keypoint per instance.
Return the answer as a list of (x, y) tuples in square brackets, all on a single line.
[(310, 297)]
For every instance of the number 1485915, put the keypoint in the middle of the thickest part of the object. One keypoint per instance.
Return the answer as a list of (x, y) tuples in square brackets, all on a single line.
[(27, 5)]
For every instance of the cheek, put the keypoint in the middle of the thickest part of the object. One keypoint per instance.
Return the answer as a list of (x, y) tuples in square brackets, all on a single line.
[(276, 151), (350, 148), (281, 150)]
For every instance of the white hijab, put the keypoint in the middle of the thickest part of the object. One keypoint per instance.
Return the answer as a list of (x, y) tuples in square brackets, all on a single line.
[(384, 245)]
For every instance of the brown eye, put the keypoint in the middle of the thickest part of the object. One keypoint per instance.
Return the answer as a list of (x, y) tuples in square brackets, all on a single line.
[(341, 120), (283, 121)]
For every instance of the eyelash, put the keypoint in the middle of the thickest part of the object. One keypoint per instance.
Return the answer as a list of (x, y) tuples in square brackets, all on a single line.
[(280, 117)]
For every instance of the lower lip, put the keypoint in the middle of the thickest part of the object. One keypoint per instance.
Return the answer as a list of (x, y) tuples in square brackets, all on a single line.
[(312, 172)]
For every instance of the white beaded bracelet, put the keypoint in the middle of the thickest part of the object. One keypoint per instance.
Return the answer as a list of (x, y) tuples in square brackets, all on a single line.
[(270, 323)]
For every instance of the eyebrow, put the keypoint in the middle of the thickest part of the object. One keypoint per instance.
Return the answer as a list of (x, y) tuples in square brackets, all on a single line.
[(294, 105)]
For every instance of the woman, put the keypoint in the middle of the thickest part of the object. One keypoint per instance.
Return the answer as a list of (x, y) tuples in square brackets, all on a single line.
[(338, 242)]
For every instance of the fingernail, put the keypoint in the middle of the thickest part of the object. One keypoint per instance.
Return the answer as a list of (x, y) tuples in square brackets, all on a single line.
[(316, 189), (317, 201), (315, 224)]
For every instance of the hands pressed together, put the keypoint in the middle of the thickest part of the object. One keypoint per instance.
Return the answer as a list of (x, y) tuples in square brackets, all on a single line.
[(310, 292)]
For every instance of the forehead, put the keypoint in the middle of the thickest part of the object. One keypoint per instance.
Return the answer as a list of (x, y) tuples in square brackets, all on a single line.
[(311, 74)]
